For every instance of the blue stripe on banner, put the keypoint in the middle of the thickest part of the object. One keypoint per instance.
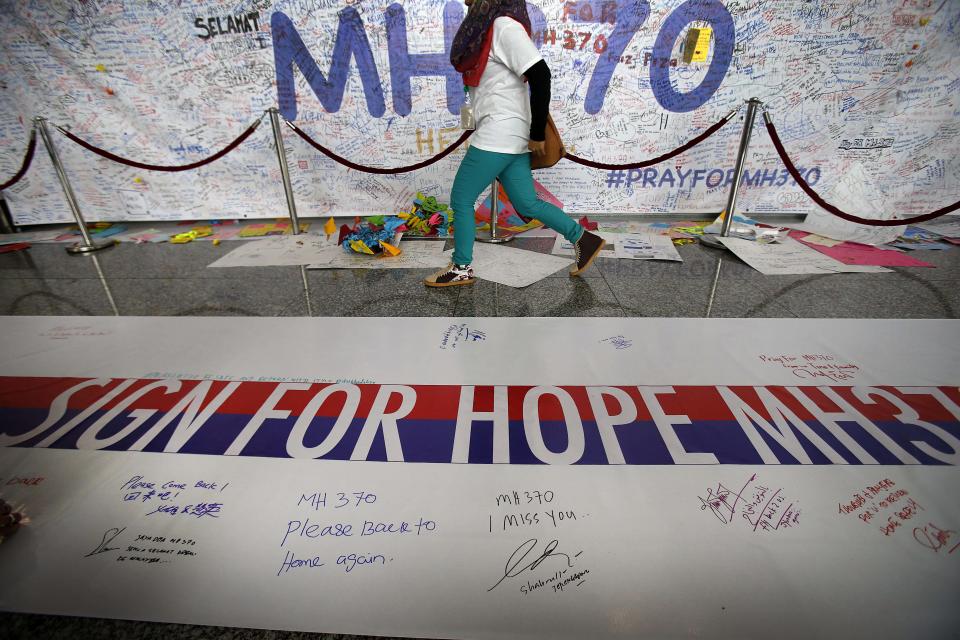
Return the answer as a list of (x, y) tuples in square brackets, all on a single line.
[(433, 440)]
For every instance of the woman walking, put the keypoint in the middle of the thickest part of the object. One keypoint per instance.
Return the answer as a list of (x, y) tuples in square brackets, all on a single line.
[(493, 51)]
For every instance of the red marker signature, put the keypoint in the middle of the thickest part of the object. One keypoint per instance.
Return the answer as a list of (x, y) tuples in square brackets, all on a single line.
[(934, 538)]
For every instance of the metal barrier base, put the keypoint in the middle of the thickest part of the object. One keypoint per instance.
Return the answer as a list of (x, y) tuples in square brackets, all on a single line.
[(498, 240), (712, 241), (83, 249)]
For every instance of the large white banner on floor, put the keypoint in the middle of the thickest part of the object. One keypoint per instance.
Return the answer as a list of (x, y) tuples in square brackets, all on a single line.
[(666, 478), (865, 88)]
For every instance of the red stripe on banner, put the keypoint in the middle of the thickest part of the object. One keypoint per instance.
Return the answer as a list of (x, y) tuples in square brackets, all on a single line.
[(38, 393), (881, 408), (441, 402), (699, 403), (751, 396)]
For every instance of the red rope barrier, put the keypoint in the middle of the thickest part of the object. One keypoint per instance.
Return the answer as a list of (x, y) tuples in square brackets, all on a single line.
[(834, 210), (157, 167), (649, 163), (27, 159), (378, 170)]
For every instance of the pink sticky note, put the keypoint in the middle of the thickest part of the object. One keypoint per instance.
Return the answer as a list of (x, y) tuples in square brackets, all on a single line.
[(863, 254)]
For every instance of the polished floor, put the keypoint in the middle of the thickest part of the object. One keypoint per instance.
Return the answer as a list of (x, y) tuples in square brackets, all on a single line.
[(165, 279)]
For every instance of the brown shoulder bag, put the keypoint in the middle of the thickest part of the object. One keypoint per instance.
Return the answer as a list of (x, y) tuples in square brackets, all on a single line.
[(553, 148)]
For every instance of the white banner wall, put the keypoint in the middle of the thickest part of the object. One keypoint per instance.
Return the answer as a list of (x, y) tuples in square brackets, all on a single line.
[(864, 95)]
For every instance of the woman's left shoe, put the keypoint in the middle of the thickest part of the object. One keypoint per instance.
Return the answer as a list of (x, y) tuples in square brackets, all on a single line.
[(450, 276), (586, 249)]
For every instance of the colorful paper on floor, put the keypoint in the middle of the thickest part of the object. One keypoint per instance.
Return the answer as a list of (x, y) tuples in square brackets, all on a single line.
[(923, 245), (915, 238), (563, 247), (227, 233), (31, 236), (639, 246), (812, 238), (947, 226), (279, 251), (790, 258), (97, 231), (918, 234), (270, 229), (147, 235), (863, 254), (107, 232), (12, 247), (416, 254), (512, 267)]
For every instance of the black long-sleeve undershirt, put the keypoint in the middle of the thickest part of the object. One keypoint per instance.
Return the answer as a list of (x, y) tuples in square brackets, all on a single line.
[(539, 78)]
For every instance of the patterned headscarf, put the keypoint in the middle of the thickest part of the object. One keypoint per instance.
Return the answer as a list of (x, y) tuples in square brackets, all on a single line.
[(468, 55)]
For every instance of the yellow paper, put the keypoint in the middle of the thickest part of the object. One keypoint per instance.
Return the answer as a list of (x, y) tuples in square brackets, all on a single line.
[(821, 240), (389, 249), (183, 238), (697, 45), (270, 229), (330, 227), (360, 247)]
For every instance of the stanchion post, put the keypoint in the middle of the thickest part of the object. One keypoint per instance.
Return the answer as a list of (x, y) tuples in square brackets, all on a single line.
[(752, 105), (730, 210), (494, 208), (6, 220), (495, 238), (284, 169), (88, 245)]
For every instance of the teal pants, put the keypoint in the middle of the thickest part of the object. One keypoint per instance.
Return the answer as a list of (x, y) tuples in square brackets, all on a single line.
[(476, 172)]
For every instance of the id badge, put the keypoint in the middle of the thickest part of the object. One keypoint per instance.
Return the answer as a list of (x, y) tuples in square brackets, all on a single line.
[(467, 121)]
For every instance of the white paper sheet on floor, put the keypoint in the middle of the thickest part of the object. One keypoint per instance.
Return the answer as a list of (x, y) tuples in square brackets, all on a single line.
[(790, 258), (277, 251), (512, 267), (645, 246)]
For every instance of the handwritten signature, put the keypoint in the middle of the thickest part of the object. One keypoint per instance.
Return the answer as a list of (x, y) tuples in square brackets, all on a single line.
[(723, 501), (934, 538), (811, 366), (455, 334), (108, 537), (619, 342), (771, 516), (515, 563)]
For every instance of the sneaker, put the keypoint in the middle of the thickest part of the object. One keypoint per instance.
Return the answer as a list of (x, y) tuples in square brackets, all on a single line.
[(586, 249), (450, 276)]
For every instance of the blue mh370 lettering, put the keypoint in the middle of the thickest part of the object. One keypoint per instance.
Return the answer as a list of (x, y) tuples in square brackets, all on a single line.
[(351, 43)]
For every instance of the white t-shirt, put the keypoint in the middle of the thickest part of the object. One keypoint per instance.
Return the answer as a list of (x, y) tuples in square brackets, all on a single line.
[(501, 104)]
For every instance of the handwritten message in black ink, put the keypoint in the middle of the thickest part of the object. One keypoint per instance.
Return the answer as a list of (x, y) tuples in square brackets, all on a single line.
[(348, 517), (759, 507)]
